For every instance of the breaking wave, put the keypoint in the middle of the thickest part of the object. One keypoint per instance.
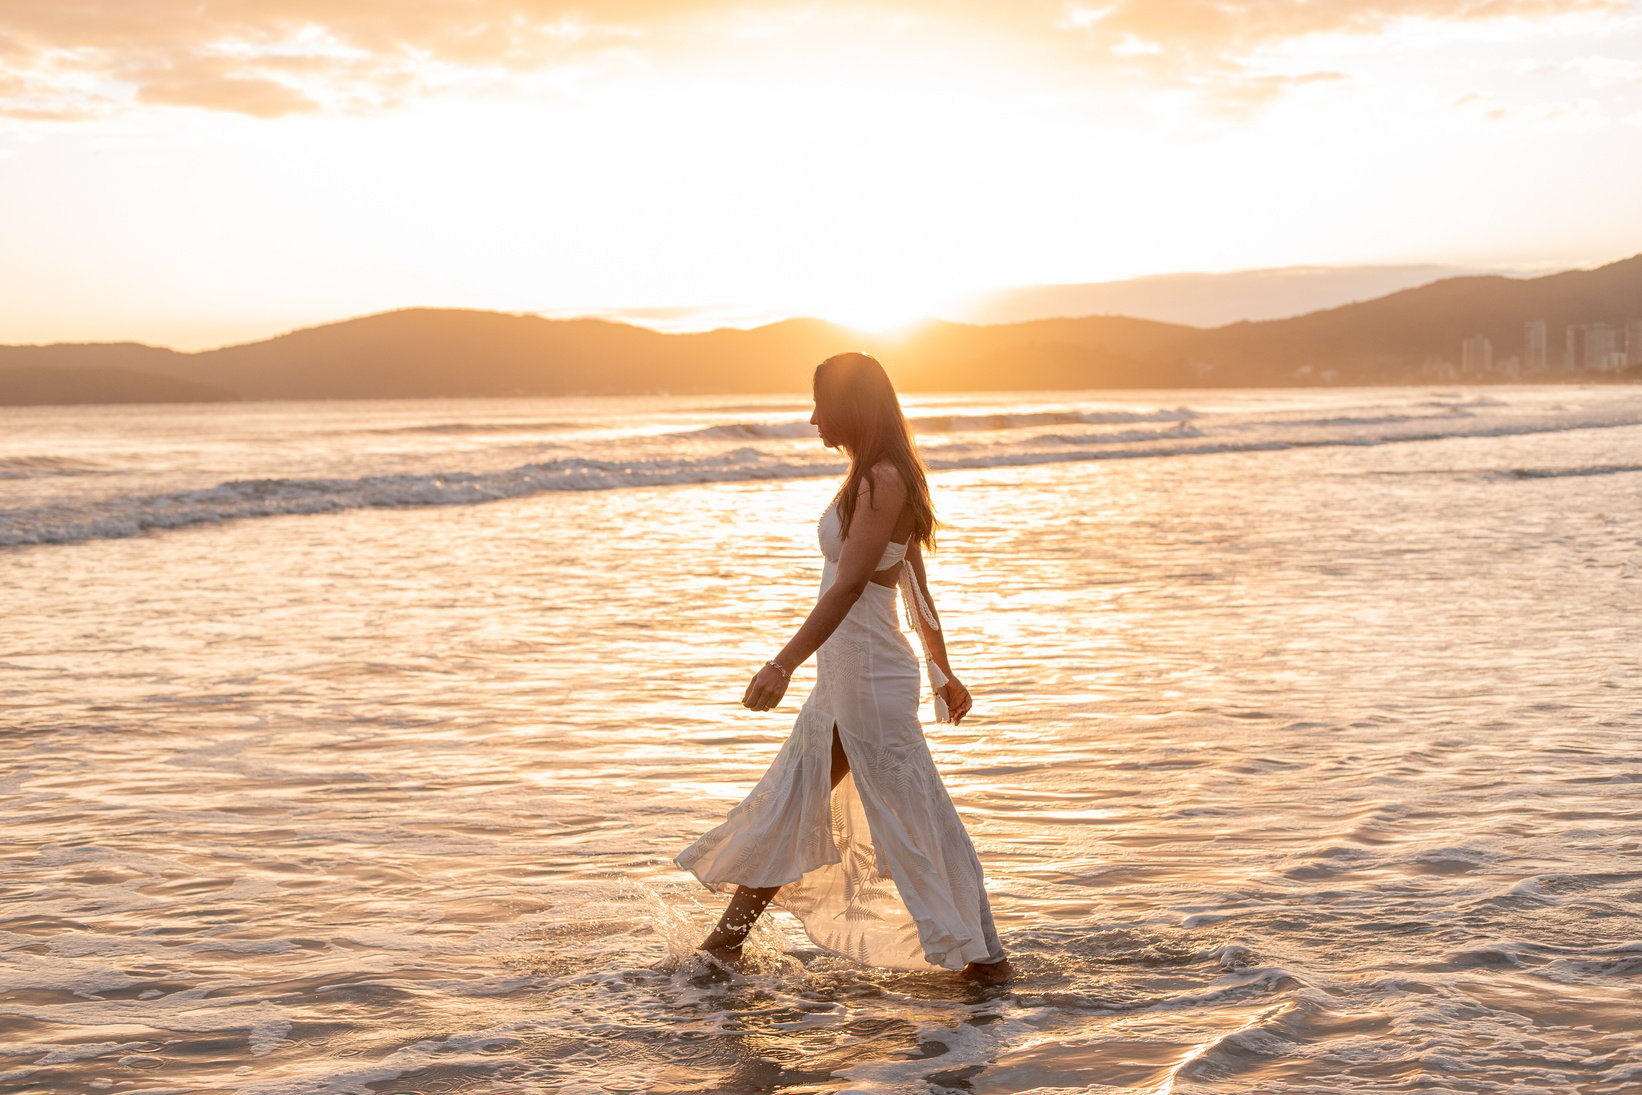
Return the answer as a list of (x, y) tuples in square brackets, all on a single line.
[(954, 423), (135, 513)]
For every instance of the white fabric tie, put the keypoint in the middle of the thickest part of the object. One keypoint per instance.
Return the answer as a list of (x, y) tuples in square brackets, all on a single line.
[(915, 606)]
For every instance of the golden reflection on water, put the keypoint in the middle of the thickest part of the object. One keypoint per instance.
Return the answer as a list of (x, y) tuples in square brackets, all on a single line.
[(1287, 769)]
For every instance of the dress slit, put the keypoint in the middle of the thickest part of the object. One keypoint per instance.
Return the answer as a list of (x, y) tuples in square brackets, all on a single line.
[(838, 751)]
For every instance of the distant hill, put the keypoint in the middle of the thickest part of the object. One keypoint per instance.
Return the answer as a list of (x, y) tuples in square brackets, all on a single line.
[(417, 353), (36, 385), (1209, 300), (1397, 337)]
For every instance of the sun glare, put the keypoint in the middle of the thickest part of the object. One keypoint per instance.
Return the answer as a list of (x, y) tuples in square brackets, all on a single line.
[(879, 314)]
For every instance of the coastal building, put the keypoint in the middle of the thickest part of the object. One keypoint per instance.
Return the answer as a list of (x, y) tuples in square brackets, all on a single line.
[(1533, 347), (1593, 347), (1633, 342), (1477, 356), (1573, 346), (1602, 347)]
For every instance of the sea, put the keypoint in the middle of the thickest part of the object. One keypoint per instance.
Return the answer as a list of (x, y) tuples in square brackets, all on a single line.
[(348, 745)]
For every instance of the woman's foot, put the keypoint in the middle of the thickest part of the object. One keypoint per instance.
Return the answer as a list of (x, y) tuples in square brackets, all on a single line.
[(989, 973), (715, 965)]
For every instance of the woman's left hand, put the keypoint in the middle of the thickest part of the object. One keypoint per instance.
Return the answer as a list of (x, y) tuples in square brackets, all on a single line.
[(957, 699), (766, 689)]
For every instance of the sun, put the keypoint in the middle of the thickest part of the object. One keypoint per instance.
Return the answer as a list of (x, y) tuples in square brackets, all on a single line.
[(887, 299), (878, 315)]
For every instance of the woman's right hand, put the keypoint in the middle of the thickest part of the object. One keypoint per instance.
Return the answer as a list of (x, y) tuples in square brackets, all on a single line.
[(956, 696), (765, 690)]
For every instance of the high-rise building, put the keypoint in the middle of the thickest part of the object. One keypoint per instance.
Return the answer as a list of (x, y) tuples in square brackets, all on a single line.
[(1533, 347), (1633, 342), (1602, 347), (1594, 347), (1477, 355), (1573, 350)]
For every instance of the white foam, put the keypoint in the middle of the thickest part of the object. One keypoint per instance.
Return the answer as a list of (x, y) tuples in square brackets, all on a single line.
[(956, 423), (132, 515), (966, 423), (754, 430), (657, 462)]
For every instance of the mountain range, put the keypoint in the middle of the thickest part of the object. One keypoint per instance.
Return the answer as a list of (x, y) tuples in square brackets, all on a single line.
[(1210, 300), (1402, 337)]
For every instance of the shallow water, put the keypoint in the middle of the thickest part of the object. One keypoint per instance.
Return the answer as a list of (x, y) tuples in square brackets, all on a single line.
[(1304, 767)]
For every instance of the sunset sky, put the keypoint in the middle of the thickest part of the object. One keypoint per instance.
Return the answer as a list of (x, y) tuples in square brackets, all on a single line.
[(191, 174)]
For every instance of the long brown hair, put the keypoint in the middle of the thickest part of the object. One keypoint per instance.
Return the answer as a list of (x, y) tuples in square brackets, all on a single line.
[(860, 402)]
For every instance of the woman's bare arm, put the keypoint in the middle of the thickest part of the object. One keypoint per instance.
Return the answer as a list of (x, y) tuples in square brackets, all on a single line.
[(871, 526), (934, 642), (953, 692)]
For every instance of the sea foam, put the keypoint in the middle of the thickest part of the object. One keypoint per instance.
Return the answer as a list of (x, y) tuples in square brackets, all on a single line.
[(747, 451)]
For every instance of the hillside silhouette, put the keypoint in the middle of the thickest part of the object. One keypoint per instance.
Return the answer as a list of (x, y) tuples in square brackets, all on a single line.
[(44, 385), (1209, 299), (428, 352)]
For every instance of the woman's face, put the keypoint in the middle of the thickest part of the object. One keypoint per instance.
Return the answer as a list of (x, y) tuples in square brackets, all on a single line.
[(825, 426)]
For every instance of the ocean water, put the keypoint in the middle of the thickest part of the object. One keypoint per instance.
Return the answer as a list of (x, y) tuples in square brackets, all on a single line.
[(348, 745)]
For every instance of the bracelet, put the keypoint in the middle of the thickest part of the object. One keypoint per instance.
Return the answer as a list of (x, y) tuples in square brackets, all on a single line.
[(786, 674)]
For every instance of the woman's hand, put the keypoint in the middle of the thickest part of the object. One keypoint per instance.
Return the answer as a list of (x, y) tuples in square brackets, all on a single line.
[(766, 689), (957, 698)]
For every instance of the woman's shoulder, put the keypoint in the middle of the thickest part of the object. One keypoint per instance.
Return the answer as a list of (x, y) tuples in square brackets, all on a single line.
[(884, 474), (882, 484)]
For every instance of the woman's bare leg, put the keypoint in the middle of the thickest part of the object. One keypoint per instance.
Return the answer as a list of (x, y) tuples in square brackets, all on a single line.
[(749, 902), (744, 908)]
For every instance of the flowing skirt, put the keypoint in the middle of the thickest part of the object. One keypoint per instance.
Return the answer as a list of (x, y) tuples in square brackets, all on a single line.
[(880, 868)]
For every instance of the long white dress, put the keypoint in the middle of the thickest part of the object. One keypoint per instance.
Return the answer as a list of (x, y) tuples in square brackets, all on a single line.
[(880, 868)]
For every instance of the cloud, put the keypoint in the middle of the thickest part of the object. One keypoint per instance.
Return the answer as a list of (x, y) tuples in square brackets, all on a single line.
[(1232, 50), (1225, 31), (218, 84), (1579, 115), (268, 58), (1484, 104), (1601, 72), (1241, 92)]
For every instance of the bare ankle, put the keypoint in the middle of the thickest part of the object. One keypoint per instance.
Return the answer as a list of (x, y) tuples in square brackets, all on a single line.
[(724, 941)]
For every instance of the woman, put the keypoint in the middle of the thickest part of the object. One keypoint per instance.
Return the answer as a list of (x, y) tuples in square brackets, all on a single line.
[(851, 828)]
